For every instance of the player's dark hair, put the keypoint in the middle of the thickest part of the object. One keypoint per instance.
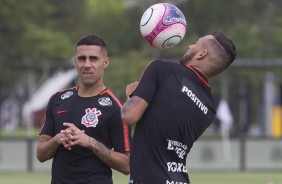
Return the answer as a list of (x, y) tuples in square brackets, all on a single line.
[(227, 44), (92, 40)]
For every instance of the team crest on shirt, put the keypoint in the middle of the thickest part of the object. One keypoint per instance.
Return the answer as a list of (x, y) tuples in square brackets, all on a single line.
[(90, 119), (105, 101)]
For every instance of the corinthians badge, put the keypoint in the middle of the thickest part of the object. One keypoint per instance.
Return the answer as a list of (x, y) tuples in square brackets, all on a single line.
[(90, 119)]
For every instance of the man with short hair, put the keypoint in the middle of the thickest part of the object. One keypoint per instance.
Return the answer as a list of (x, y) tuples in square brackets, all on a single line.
[(172, 105), (83, 131)]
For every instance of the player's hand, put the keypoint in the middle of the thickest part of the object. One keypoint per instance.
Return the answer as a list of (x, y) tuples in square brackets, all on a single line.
[(62, 138), (75, 135), (130, 88)]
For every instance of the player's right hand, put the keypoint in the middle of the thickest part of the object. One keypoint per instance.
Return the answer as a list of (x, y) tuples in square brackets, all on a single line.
[(62, 138)]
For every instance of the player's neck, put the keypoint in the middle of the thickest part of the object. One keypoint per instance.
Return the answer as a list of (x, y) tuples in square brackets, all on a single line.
[(88, 91), (198, 69)]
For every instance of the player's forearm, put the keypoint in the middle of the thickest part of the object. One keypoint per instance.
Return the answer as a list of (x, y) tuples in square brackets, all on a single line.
[(115, 160), (46, 150), (132, 110)]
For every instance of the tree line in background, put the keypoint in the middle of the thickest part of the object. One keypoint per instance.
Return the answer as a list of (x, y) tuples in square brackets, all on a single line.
[(39, 37)]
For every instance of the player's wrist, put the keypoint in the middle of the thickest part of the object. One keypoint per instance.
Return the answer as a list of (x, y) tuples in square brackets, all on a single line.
[(93, 144), (91, 141)]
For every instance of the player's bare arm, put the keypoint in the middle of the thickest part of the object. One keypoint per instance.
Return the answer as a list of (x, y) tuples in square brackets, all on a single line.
[(48, 146), (116, 160), (133, 109)]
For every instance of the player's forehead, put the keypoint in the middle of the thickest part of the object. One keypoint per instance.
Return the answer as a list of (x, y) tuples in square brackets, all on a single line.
[(88, 50)]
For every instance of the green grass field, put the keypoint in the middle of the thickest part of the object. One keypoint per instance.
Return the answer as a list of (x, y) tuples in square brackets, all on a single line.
[(196, 178)]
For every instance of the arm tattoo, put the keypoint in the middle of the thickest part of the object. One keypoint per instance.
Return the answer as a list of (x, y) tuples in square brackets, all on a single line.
[(131, 103), (99, 149)]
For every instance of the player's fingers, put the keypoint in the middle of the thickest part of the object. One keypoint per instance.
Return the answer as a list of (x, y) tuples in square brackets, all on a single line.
[(67, 145), (77, 131), (78, 134), (72, 130), (66, 132), (135, 83), (65, 140), (80, 139), (60, 138), (69, 125)]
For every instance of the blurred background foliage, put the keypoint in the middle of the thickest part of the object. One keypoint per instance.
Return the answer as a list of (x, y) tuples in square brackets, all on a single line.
[(39, 36)]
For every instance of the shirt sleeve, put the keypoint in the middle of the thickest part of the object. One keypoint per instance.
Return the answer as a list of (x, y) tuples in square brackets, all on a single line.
[(149, 82), (48, 126)]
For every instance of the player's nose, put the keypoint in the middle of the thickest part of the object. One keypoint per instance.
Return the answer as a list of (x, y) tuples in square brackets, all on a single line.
[(87, 62)]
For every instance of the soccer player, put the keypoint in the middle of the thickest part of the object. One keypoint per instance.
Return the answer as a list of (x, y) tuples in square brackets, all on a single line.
[(83, 131), (172, 105)]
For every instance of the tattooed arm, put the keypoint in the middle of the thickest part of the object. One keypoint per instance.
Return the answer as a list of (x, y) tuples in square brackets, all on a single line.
[(134, 108), (116, 160)]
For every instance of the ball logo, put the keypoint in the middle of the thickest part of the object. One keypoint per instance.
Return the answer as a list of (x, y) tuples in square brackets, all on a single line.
[(90, 119), (171, 20), (173, 15)]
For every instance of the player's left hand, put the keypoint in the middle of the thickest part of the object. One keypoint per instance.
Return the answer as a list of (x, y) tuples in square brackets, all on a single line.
[(75, 135), (130, 88)]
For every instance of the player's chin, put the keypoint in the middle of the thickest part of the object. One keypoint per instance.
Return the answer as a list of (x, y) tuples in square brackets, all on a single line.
[(87, 76), (87, 81)]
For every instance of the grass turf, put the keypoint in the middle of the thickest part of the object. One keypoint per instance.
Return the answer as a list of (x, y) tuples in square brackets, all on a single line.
[(196, 178)]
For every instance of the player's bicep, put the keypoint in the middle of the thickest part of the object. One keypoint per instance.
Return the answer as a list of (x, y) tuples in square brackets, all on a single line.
[(133, 109)]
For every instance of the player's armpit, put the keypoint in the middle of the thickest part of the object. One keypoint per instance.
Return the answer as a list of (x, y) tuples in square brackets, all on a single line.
[(133, 110)]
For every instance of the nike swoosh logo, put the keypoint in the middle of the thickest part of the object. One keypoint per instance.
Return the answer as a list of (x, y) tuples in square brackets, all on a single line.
[(61, 111)]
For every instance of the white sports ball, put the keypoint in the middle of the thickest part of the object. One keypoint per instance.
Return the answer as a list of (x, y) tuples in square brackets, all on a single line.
[(163, 25)]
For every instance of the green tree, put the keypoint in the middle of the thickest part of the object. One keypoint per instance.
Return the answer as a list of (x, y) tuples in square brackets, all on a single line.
[(32, 35)]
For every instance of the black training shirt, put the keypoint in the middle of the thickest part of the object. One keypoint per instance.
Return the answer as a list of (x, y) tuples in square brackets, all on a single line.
[(180, 108), (99, 116)]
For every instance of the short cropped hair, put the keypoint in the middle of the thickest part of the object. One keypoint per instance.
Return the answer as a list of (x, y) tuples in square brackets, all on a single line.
[(227, 44), (92, 40)]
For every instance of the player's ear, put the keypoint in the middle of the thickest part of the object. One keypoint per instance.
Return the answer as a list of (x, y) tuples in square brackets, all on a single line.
[(106, 62), (202, 53), (74, 61)]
